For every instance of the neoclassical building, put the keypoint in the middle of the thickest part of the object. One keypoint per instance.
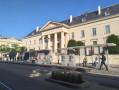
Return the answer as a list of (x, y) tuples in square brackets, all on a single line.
[(90, 28)]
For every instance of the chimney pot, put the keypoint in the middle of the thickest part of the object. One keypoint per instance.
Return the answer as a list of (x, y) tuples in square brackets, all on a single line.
[(37, 28), (99, 10), (70, 18)]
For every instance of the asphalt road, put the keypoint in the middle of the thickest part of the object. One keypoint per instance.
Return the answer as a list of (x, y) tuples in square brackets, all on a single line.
[(26, 77)]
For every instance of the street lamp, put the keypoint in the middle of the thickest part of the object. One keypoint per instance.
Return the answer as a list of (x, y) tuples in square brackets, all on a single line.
[(46, 40)]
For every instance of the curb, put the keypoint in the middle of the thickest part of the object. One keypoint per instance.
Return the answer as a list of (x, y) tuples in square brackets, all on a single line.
[(85, 84)]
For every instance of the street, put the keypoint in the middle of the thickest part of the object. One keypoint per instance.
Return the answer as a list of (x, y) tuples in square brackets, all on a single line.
[(26, 77)]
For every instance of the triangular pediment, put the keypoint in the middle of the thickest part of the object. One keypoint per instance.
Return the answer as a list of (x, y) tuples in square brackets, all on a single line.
[(50, 25)]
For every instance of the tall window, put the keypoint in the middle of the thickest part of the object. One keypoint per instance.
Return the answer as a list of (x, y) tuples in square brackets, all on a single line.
[(30, 43), (94, 42), (107, 29), (94, 31), (39, 41), (34, 42), (82, 33), (72, 35), (26, 43)]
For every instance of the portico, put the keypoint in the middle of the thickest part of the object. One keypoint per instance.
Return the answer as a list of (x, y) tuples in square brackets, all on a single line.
[(53, 41)]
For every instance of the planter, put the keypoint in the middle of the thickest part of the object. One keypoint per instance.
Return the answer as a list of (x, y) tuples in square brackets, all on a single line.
[(84, 84)]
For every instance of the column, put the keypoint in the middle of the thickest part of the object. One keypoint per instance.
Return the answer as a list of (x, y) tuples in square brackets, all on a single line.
[(42, 42), (55, 42), (49, 47), (62, 40)]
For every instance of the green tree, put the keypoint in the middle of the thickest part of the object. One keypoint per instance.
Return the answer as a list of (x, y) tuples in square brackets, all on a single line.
[(15, 48), (71, 43), (4, 49), (23, 49), (113, 39), (79, 43)]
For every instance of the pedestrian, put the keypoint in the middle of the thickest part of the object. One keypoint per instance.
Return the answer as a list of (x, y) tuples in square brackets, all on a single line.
[(84, 61), (95, 62), (103, 62), (58, 59)]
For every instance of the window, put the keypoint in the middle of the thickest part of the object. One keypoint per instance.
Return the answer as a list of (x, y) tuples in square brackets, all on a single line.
[(94, 31), (94, 42), (39, 41), (72, 35), (82, 33), (34, 42), (26, 43), (33, 33), (107, 13), (30, 43), (107, 29), (83, 19)]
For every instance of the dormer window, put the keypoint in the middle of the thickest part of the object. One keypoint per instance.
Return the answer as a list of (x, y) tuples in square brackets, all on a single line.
[(32, 33), (107, 13), (83, 19)]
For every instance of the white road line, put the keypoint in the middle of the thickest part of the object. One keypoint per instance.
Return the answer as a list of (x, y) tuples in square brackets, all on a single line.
[(5, 86)]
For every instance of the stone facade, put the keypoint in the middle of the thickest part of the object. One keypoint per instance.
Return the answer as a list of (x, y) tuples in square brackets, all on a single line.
[(56, 35), (9, 41)]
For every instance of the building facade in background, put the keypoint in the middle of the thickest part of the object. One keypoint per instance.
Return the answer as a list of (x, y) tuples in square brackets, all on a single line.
[(9, 41), (91, 28)]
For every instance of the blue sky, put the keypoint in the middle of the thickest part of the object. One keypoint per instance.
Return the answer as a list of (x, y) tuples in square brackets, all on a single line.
[(20, 17)]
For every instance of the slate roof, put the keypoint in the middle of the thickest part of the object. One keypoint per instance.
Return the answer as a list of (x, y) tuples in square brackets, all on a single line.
[(111, 10), (34, 32)]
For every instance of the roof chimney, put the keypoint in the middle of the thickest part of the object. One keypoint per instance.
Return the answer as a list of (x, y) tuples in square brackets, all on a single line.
[(70, 18), (99, 10), (37, 28)]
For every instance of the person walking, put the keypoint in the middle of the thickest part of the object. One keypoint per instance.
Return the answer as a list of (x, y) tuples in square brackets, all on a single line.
[(103, 62)]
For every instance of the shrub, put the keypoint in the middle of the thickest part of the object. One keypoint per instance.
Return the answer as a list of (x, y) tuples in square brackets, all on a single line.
[(79, 78), (64, 76), (68, 77), (74, 78)]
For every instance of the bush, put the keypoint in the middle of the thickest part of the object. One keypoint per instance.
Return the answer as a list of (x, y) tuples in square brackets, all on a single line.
[(68, 77), (79, 77)]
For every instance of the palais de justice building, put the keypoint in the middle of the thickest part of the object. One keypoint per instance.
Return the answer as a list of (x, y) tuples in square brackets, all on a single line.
[(90, 28)]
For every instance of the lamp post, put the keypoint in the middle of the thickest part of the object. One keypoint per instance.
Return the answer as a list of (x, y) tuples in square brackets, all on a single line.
[(46, 40)]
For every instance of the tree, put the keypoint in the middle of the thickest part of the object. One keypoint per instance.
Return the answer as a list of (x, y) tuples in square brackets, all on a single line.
[(15, 48), (79, 43), (71, 43), (4, 49), (23, 49), (113, 39)]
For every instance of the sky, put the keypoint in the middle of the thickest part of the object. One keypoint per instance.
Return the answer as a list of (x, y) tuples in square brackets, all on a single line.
[(20, 17)]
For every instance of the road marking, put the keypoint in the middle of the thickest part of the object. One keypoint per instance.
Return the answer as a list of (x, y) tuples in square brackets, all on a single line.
[(5, 86)]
